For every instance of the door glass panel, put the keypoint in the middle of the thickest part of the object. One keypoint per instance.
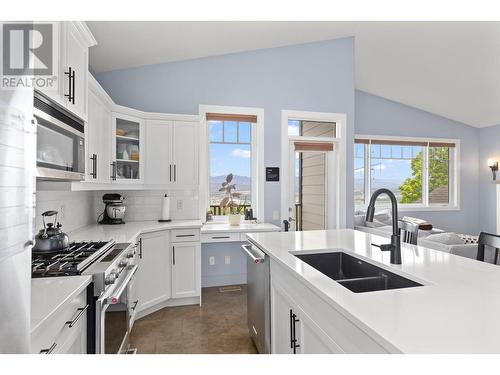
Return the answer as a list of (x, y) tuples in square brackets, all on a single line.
[(310, 190), (127, 149)]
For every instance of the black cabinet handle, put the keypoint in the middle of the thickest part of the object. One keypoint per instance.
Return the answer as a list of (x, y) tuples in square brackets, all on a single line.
[(81, 310), (49, 350), (170, 175), (113, 171), (219, 237), (173, 255), (135, 305), (69, 95), (73, 88), (175, 174), (140, 248), (93, 174), (293, 334), (184, 235)]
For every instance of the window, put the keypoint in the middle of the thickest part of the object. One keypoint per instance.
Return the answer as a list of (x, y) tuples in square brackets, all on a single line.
[(421, 173), (230, 150), (306, 128)]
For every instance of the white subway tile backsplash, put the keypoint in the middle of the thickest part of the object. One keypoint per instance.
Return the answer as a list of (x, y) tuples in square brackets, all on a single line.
[(77, 207), (146, 204)]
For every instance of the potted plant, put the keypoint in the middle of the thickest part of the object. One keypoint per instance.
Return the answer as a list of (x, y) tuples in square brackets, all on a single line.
[(228, 204)]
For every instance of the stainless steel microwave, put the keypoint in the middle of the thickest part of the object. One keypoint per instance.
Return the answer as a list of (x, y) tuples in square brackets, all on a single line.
[(60, 145)]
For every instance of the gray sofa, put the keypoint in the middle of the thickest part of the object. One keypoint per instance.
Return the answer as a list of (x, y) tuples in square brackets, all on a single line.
[(435, 239)]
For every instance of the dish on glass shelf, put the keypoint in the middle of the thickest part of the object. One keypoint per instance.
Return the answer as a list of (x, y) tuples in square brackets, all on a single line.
[(121, 132)]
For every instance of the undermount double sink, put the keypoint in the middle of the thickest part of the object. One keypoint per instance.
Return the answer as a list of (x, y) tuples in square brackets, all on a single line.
[(354, 274)]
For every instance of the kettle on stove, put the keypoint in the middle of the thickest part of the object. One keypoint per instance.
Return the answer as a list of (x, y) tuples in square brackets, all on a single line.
[(51, 237)]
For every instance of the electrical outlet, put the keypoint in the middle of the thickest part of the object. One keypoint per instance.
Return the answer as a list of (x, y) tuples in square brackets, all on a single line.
[(227, 259), (211, 260), (62, 211), (180, 204), (276, 215)]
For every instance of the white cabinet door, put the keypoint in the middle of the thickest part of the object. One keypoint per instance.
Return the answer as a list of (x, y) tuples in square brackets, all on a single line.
[(76, 341), (153, 275), (158, 168), (281, 333), (293, 331), (186, 269), (133, 301), (98, 140), (127, 148), (76, 61), (56, 91), (185, 140)]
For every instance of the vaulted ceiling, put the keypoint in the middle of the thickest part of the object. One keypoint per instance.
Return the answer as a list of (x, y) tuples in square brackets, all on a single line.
[(450, 69)]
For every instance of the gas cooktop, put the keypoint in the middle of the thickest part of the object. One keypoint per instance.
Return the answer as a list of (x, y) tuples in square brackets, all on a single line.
[(68, 262)]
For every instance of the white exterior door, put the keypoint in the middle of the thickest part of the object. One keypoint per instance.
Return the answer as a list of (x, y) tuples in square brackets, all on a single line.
[(185, 147), (153, 275), (186, 269)]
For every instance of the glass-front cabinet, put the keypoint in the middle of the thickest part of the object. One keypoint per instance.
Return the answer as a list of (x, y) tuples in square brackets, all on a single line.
[(128, 149)]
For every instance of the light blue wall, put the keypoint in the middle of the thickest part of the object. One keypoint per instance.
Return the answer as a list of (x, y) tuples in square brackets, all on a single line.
[(310, 77), (489, 147), (379, 116), (221, 273)]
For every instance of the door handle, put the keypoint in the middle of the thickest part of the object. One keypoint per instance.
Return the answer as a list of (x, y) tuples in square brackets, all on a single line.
[(175, 172), (251, 255), (294, 340), (140, 248), (49, 350), (170, 175), (173, 255), (73, 88), (69, 95), (81, 310)]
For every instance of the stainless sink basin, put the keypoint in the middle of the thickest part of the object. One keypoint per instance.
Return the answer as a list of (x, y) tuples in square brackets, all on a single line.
[(354, 274)]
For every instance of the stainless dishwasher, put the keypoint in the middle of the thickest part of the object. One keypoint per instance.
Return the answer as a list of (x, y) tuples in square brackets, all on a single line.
[(258, 297)]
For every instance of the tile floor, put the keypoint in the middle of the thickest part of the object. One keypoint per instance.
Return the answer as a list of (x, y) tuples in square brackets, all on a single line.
[(219, 326)]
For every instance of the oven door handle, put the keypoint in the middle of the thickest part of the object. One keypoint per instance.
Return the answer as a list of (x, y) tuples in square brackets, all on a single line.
[(115, 298)]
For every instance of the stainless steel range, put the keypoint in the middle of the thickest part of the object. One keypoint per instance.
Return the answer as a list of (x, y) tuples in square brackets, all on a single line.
[(113, 267)]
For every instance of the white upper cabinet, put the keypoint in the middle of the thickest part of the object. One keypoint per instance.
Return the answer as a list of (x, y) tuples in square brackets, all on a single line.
[(185, 139), (172, 152), (73, 60), (98, 135), (75, 70), (158, 169), (127, 146)]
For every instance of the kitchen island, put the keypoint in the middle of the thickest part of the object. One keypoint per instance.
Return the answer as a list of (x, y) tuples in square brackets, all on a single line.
[(455, 310)]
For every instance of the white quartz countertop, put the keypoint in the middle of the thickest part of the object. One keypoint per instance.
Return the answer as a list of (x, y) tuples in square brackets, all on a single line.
[(128, 231), (50, 294), (211, 228), (456, 311)]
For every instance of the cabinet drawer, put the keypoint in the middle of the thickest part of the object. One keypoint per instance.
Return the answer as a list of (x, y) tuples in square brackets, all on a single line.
[(221, 237), (56, 331), (185, 235)]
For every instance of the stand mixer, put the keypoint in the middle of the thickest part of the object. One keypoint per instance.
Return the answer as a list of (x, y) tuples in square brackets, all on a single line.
[(114, 211)]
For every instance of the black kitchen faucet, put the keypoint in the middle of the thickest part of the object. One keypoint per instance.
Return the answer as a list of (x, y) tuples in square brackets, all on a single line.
[(395, 246)]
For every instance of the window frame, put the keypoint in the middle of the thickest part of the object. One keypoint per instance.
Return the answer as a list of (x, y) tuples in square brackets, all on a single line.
[(257, 158), (454, 174)]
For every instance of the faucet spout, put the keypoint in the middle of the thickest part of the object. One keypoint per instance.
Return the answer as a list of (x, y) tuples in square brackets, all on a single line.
[(395, 246)]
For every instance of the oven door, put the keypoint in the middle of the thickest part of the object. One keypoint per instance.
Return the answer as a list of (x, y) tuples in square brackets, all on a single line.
[(113, 315)]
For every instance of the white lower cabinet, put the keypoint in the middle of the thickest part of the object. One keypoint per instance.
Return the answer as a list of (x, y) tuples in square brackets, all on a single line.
[(66, 331), (293, 331), (186, 269), (169, 270), (298, 313), (153, 275)]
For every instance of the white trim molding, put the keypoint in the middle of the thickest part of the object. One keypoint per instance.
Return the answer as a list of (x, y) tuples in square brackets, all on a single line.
[(257, 155), (455, 166), (340, 167)]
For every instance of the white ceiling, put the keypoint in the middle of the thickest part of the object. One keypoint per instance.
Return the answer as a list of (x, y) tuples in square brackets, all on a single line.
[(448, 68)]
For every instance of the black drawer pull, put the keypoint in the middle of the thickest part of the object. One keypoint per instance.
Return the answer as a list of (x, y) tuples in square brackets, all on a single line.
[(135, 305), (77, 318), (184, 235), (220, 237), (49, 350)]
